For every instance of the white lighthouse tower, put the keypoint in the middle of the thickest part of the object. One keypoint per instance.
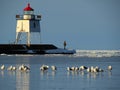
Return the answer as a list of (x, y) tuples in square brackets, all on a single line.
[(27, 23)]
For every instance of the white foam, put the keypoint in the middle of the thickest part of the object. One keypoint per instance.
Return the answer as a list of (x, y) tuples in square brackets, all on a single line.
[(97, 53)]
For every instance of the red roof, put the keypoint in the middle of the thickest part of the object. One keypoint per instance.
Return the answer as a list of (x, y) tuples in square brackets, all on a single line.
[(28, 8)]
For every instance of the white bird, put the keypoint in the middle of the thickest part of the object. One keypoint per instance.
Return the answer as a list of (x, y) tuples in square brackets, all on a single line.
[(44, 67), (2, 67), (81, 68), (53, 68), (110, 67), (92, 69), (76, 68), (20, 68), (88, 69), (101, 70), (24, 68), (73, 68), (96, 69), (13, 68), (9, 68), (68, 68)]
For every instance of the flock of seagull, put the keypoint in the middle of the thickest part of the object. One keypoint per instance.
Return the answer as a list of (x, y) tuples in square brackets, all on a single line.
[(13, 68), (27, 68), (54, 68), (88, 69)]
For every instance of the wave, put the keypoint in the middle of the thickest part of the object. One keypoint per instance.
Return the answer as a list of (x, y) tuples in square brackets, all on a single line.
[(97, 53)]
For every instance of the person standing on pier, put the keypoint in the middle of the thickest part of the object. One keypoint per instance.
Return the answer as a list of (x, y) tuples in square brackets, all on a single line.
[(64, 44)]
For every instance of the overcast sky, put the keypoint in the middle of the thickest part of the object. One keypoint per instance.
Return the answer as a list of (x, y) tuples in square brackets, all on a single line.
[(84, 24)]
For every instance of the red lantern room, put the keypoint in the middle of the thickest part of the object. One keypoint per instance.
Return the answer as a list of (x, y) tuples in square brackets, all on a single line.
[(28, 10)]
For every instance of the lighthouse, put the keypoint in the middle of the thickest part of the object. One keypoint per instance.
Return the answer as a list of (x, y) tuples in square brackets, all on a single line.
[(27, 23)]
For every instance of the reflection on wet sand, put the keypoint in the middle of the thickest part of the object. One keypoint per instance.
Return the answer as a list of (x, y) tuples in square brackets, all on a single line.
[(2, 73), (47, 74), (89, 75), (22, 80)]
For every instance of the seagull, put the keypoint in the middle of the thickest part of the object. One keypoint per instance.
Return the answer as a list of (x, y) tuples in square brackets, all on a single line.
[(88, 69), (109, 67), (53, 68), (13, 68), (24, 68), (44, 67), (2, 67), (72, 68), (76, 68), (9, 68), (81, 68), (69, 69)]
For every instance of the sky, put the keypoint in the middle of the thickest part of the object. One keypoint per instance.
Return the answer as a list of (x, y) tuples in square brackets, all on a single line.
[(83, 24)]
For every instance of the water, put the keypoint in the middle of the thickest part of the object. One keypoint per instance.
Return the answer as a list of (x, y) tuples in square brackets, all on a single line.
[(60, 79)]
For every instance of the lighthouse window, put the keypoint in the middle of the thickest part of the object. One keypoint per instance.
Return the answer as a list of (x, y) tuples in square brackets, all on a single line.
[(34, 25)]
